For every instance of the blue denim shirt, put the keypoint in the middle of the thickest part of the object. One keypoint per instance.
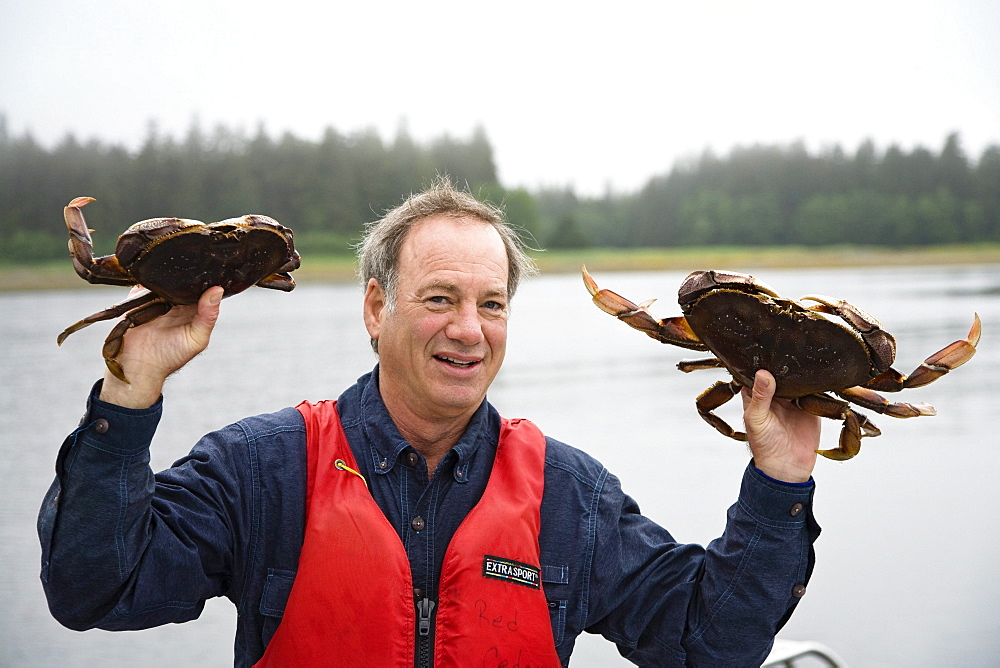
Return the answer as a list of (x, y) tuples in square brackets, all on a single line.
[(124, 549)]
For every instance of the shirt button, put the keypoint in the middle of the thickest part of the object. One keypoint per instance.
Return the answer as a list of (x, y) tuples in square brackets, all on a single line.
[(101, 426), (413, 459), (383, 464), (798, 591), (796, 510), (459, 474), (418, 524)]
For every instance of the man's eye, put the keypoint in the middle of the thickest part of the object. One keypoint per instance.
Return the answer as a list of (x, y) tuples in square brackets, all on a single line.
[(493, 306), (439, 299)]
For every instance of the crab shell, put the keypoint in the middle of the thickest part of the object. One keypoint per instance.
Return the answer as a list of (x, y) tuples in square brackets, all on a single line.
[(179, 259), (749, 327)]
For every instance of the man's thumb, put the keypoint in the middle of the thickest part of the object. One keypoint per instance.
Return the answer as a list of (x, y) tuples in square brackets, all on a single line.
[(208, 310), (760, 397)]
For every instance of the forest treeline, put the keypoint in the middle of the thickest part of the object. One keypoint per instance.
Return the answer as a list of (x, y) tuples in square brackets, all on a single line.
[(326, 190)]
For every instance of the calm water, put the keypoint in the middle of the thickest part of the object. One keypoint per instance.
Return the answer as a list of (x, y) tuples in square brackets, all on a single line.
[(906, 571)]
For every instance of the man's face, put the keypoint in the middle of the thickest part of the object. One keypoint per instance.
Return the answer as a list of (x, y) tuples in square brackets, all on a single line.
[(443, 343)]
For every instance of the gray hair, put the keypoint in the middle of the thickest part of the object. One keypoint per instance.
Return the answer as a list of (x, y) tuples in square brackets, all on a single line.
[(378, 251)]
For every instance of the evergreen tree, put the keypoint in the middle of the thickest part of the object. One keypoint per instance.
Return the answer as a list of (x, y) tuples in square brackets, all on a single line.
[(327, 190)]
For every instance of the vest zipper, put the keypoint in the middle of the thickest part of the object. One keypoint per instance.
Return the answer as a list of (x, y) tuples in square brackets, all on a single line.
[(425, 607)]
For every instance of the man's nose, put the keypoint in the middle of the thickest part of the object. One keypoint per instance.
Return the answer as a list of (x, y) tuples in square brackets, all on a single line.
[(466, 326)]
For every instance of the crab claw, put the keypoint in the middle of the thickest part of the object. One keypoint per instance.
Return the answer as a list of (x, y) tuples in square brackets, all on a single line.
[(80, 202), (105, 269), (947, 359), (81, 246), (675, 331), (612, 302)]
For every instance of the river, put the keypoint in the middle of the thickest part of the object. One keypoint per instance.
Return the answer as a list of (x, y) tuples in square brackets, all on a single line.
[(906, 565)]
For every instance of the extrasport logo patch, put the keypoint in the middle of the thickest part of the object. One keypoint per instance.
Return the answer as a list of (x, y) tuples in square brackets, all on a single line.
[(511, 571)]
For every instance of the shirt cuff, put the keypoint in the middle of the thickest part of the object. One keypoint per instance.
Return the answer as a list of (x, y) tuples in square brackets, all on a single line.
[(775, 502), (116, 430), (807, 483)]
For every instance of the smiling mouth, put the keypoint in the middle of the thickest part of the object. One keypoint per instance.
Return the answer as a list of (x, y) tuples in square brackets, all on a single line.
[(454, 362)]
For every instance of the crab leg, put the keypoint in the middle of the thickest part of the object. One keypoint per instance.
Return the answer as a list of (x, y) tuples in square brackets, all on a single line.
[(947, 359), (675, 331), (872, 400), (856, 426), (849, 443), (141, 299), (712, 398), (104, 270), (116, 339), (687, 366)]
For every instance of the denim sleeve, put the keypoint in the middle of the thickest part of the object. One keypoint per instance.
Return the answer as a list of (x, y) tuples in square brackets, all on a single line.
[(122, 548), (665, 603)]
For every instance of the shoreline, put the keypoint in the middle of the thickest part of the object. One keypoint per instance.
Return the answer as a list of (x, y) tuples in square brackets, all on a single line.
[(59, 275)]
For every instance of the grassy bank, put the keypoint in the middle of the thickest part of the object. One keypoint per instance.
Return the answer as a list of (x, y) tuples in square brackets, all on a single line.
[(338, 268), (752, 258)]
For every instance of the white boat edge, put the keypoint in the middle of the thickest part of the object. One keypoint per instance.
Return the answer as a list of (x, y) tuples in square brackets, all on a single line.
[(785, 653)]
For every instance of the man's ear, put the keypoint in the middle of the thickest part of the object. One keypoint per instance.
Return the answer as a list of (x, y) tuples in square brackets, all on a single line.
[(375, 307)]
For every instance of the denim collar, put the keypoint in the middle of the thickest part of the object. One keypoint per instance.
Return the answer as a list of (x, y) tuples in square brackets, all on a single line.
[(386, 444)]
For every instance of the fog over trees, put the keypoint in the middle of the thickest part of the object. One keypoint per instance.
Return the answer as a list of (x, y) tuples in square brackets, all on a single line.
[(327, 190)]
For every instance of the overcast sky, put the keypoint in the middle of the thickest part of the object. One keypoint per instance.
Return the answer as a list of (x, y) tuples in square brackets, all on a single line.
[(570, 93)]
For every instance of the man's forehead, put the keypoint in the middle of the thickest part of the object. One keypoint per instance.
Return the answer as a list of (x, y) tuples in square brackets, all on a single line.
[(438, 223), (443, 243)]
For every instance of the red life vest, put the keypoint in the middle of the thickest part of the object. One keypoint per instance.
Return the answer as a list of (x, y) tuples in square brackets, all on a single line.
[(352, 601)]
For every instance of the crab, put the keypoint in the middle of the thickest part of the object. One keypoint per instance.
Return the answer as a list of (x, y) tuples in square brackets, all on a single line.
[(748, 326), (174, 261)]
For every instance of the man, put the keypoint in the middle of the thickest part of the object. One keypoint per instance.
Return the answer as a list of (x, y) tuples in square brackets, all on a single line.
[(501, 545)]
